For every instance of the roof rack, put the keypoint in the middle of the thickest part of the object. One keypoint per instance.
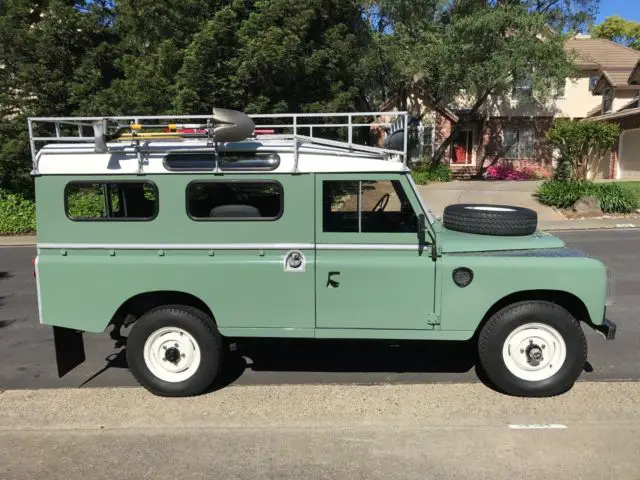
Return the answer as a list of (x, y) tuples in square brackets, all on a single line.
[(223, 126)]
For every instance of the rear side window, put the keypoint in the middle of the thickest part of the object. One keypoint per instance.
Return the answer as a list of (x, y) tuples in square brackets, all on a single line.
[(239, 200), (111, 201)]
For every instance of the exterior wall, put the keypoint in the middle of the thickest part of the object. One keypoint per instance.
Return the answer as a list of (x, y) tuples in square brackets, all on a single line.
[(622, 97), (578, 100)]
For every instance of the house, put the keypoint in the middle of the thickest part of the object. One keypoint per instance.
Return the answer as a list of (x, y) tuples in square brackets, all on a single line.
[(512, 129), (619, 93)]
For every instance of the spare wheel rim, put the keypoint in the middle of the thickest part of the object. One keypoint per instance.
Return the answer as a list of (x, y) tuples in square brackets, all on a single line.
[(172, 354), (534, 352)]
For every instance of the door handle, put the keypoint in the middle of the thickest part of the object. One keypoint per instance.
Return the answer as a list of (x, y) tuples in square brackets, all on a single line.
[(331, 282)]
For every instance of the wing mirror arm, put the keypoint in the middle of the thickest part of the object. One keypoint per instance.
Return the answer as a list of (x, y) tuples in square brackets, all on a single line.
[(422, 239)]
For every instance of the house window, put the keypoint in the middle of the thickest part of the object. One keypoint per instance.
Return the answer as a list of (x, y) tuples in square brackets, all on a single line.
[(593, 81), (517, 142), (523, 86), (367, 206), (426, 141), (111, 201), (607, 100), (235, 200)]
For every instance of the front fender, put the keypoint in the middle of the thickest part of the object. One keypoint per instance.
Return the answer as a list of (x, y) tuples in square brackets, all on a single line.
[(497, 275)]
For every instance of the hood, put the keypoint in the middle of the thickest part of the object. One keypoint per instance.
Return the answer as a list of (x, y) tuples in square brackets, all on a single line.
[(458, 242)]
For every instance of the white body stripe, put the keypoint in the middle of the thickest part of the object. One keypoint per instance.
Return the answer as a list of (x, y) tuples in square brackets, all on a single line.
[(226, 246)]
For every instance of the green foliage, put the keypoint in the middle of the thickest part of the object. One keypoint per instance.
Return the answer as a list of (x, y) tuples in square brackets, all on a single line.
[(424, 173), (583, 144), (87, 203), (563, 194), (617, 29), (17, 214)]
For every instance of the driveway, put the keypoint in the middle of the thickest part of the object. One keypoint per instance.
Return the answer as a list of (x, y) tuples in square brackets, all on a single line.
[(518, 193)]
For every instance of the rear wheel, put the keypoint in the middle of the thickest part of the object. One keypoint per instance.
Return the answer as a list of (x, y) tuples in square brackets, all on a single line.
[(532, 349), (175, 351)]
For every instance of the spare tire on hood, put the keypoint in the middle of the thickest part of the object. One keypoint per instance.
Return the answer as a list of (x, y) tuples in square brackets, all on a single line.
[(487, 219)]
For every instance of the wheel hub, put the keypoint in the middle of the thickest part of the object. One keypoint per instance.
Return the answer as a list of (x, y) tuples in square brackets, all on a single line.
[(534, 351), (172, 355), (534, 355)]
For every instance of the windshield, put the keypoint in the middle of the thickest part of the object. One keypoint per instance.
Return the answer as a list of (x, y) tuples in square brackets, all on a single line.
[(424, 206)]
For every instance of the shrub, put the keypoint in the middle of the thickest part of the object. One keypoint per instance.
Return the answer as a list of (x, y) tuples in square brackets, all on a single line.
[(508, 172), (582, 144), (424, 173), (563, 194), (17, 214)]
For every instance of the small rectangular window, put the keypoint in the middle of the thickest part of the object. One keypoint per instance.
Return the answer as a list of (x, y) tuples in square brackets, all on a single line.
[(235, 200), (255, 161), (367, 206), (111, 201)]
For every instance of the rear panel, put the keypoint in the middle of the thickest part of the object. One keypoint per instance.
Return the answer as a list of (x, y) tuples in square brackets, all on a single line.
[(87, 269)]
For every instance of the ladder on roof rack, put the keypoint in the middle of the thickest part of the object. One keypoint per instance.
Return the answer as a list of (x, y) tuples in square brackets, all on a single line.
[(221, 127)]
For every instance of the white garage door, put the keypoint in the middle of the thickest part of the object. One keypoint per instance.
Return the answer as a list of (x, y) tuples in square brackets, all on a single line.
[(629, 160)]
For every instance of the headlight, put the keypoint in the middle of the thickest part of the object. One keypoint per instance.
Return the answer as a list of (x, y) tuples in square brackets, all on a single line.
[(611, 284)]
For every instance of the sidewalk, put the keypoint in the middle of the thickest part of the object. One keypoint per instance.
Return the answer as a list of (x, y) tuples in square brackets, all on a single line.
[(444, 431), (518, 193)]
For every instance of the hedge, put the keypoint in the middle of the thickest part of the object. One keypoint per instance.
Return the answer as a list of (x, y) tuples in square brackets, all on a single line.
[(17, 214), (563, 194)]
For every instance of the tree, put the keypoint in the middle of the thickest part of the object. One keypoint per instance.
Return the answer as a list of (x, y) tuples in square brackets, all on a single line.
[(582, 145), (458, 56), (617, 29)]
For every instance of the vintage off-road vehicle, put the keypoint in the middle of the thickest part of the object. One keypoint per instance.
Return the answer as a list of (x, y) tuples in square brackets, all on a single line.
[(196, 233)]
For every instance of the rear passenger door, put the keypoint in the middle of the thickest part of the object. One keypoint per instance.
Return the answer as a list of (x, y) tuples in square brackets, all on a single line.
[(371, 270)]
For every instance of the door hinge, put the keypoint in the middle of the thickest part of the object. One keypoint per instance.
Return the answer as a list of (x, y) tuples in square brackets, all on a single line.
[(433, 319)]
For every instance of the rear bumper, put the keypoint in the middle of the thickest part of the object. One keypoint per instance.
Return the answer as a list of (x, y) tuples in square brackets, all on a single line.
[(608, 329)]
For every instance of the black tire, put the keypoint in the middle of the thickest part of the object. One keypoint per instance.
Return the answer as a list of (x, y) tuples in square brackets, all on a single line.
[(203, 330), (485, 219), (496, 331)]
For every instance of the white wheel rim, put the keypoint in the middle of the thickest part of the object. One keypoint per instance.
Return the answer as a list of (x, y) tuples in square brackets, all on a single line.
[(534, 352), (172, 354), (491, 209)]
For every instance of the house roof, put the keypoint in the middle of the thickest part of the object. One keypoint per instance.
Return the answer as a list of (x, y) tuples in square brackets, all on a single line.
[(599, 52), (616, 62)]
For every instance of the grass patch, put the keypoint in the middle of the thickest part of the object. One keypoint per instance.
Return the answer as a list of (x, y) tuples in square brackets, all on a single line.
[(632, 187)]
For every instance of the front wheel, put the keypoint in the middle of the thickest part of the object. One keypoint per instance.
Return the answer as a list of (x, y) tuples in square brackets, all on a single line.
[(175, 351), (532, 349)]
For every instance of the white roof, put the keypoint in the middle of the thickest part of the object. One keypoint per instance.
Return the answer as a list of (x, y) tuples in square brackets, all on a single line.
[(81, 159)]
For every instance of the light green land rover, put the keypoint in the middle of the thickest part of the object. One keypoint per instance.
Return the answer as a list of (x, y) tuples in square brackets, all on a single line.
[(196, 233)]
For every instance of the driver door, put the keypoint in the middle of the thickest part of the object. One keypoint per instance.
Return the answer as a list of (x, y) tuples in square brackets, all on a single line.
[(372, 270)]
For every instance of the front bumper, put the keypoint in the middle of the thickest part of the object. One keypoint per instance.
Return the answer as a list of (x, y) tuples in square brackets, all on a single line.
[(608, 329)]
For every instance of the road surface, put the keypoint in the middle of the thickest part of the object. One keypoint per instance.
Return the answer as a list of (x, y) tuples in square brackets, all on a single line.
[(27, 358)]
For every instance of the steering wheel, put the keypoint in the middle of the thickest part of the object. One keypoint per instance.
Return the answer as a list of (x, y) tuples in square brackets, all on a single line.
[(382, 203)]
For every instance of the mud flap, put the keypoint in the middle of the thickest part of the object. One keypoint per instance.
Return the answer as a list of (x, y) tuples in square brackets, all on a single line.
[(69, 347)]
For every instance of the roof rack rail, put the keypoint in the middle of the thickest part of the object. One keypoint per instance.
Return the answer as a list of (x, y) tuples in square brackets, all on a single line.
[(222, 126)]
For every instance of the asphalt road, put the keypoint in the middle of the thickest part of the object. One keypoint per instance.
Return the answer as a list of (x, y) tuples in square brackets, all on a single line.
[(27, 358)]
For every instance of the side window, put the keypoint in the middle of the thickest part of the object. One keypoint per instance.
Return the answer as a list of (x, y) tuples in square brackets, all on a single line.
[(367, 206), (111, 201), (235, 200)]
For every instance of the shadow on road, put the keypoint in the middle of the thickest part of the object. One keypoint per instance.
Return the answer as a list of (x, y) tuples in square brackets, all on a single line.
[(331, 356)]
